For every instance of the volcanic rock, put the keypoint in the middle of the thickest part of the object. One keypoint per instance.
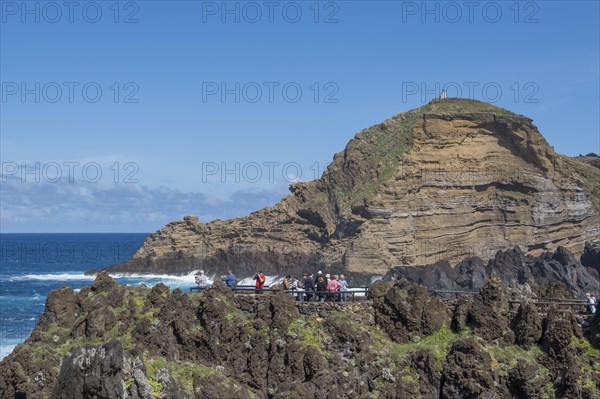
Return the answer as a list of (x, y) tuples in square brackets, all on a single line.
[(153, 343)]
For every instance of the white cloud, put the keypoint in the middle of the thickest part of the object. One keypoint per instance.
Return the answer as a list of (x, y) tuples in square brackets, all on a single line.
[(91, 207)]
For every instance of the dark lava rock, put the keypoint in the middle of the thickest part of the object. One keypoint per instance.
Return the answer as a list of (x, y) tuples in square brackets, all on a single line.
[(379, 288), (471, 274), (461, 312), (220, 345), (527, 325), (591, 256), (103, 282), (468, 372), (488, 315), (512, 267), (559, 328), (159, 294), (593, 333), (101, 372), (564, 257), (423, 377), (348, 338), (62, 307), (525, 380), (568, 384), (407, 311), (283, 311), (554, 289)]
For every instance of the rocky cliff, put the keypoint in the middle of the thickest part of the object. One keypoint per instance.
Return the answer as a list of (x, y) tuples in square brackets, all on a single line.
[(452, 179), (559, 270), (113, 341)]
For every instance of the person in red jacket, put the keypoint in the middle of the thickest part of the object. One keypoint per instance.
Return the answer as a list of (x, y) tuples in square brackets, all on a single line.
[(260, 280)]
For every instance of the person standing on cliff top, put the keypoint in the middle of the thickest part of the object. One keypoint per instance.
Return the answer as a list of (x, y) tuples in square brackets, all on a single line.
[(201, 280), (443, 95), (229, 279)]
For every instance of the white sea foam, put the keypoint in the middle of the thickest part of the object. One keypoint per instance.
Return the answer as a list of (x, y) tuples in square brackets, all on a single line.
[(52, 277), (8, 345), (184, 278), (139, 278), (173, 281), (6, 350), (188, 278)]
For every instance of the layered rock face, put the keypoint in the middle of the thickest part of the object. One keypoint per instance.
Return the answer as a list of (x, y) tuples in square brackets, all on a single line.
[(113, 341), (450, 180)]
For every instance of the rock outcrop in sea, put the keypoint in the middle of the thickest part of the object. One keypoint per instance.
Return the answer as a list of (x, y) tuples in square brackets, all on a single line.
[(451, 180), (115, 341)]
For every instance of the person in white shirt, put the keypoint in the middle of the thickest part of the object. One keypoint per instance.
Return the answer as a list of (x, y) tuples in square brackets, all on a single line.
[(591, 302), (201, 280)]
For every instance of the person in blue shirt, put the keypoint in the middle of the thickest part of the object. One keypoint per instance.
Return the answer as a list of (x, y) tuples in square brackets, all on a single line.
[(229, 279)]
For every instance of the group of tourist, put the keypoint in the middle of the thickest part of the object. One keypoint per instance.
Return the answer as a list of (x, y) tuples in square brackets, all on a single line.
[(320, 287)]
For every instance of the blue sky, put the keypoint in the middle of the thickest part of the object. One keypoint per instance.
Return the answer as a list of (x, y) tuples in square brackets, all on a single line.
[(119, 118)]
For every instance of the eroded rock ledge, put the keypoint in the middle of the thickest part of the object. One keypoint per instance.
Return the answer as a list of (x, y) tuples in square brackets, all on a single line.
[(114, 341)]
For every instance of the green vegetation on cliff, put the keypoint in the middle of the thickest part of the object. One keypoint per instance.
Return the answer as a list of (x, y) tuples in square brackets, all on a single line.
[(375, 155), (264, 346)]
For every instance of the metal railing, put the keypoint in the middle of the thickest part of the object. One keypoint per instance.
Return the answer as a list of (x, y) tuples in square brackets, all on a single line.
[(352, 294), (356, 293), (580, 305), (439, 293)]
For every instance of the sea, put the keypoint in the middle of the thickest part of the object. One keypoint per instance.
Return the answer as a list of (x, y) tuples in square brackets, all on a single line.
[(33, 265)]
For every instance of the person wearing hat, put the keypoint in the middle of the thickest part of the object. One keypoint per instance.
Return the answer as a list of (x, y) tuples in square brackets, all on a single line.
[(201, 280), (321, 287)]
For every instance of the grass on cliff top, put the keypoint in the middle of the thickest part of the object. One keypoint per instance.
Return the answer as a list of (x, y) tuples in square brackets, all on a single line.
[(383, 146), (464, 106)]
